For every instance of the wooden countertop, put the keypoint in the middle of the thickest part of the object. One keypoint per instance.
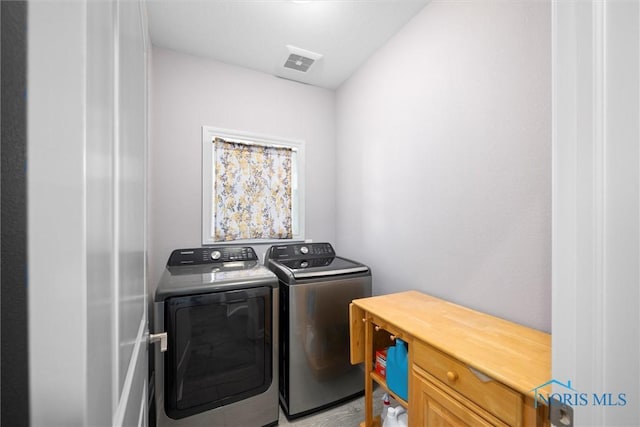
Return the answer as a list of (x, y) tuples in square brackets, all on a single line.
[(515, 355)]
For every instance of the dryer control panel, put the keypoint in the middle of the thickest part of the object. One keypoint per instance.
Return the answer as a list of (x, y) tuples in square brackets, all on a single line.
[(211, 255)]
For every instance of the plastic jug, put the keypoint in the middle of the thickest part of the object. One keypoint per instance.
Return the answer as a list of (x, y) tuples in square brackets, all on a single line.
[(397, 369), (396, 417)]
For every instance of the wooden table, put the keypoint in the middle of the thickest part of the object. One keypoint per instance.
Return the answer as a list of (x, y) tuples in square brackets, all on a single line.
[(465, 367)]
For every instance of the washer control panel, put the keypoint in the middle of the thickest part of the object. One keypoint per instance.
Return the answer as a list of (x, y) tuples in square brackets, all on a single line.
[(211, 255), (301, 250)]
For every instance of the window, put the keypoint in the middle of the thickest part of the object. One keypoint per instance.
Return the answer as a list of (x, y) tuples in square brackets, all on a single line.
[(252, 188)]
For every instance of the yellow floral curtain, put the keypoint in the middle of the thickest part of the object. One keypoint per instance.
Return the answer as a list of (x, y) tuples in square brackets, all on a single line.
[(252, 191)]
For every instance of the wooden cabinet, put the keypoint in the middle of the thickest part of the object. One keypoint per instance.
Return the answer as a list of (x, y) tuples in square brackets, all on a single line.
[(432, 406), (497, 401), (465, 368)]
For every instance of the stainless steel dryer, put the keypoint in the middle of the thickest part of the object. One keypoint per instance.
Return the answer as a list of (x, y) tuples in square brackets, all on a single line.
[(316, 287), (218, 307)]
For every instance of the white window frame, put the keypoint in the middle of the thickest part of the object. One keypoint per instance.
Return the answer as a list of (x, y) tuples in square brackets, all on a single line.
[(209, 133)]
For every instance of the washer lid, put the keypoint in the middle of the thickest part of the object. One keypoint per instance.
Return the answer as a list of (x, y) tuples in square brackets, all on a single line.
[(322, 267)]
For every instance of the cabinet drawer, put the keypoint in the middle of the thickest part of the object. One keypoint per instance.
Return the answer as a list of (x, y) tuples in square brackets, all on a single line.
[(492, 396)]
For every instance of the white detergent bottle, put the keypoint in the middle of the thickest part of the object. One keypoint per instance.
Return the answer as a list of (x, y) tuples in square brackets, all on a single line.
[(403, 418), (385, 406), (396, 417)]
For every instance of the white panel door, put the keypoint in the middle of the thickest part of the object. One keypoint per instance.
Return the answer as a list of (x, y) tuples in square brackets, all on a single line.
[(100, 183), (87, 151), (130, 215), (596, 208)]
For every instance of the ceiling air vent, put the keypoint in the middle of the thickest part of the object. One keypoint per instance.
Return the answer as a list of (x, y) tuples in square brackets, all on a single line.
[(298, 62), (300, 59)]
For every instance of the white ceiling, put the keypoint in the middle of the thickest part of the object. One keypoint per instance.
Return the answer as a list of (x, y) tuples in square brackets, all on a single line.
[(255, 33)]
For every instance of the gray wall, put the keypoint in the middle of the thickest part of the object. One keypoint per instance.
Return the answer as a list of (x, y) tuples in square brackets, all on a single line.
[(444, 159), (189, 92)]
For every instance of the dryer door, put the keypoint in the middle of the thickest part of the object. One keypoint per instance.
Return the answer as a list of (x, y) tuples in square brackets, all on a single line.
[(219, 349)]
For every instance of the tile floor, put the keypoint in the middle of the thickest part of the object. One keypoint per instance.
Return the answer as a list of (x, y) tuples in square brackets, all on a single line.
[(349, 414)]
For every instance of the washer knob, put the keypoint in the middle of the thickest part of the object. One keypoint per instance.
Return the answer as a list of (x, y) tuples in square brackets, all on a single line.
[(304, 250), (215, 255)]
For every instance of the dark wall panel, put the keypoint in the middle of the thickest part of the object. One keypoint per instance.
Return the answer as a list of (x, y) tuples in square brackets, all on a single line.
[(13, 219)]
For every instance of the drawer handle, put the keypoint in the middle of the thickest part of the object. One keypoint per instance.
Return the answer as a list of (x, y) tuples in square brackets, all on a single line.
[(482, 377), (452, 376)]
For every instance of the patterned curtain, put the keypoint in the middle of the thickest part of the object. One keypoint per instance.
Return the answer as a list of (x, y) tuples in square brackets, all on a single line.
[(252, 191)]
